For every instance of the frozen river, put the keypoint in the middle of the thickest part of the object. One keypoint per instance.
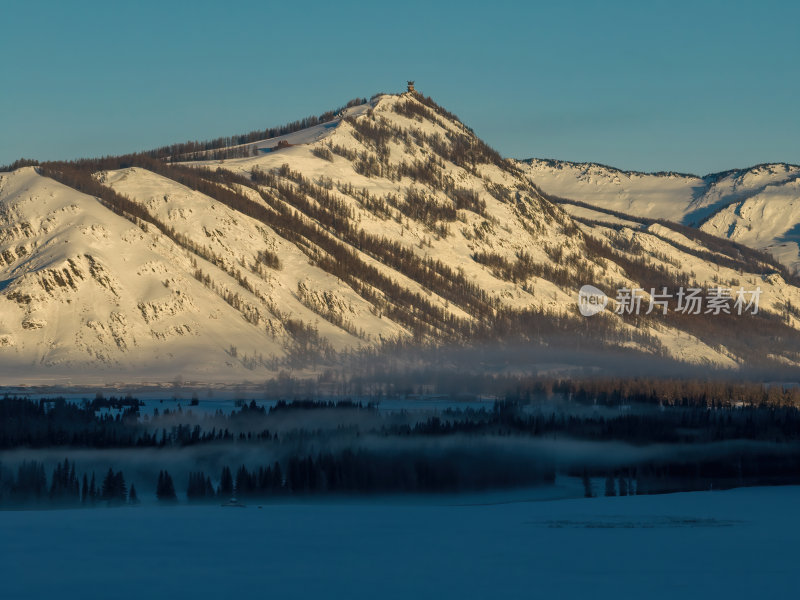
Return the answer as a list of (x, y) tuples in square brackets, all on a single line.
[(733, 544)]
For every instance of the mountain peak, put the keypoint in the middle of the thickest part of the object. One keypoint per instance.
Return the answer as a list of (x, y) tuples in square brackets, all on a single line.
[(388, 223)]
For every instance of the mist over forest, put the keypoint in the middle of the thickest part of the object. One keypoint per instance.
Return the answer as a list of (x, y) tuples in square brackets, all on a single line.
[(610, 436)]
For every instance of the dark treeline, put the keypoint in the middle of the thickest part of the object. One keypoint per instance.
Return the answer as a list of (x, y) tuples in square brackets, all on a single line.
[(774, 466), (27, 486), (734, 468), (675, 435), (672, 411), (18, 164), (613, 391), (196, 150), (58, 422), (363, 471)]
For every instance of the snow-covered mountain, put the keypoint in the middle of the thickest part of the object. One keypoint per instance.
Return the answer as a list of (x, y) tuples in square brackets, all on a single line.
[(82, 285), (758, 207), (391, 223)]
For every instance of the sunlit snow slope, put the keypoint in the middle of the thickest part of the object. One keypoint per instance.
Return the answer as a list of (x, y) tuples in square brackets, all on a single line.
[(82, 286), (391, 223), (758, 207)]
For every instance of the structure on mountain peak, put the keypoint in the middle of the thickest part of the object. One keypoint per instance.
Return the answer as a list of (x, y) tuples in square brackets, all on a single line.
[(411, 86)]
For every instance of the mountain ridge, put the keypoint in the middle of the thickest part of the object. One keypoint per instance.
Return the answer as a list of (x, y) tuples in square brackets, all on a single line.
[(758, 206), (395, 225), (715, 175)]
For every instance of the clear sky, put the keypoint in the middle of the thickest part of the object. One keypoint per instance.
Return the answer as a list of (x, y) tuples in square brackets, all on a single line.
[(649, 85)]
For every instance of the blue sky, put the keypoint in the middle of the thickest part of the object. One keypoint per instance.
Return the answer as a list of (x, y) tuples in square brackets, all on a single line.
[(684, 86)]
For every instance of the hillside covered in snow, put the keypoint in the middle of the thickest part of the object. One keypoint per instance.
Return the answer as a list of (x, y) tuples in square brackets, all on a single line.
[(390, 225), (758, 207)]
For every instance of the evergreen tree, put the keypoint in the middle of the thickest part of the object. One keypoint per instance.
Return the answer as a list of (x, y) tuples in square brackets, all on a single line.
[(75, 491), (133, 498), (198, 488), (31, 482), (120, 488), (244, 482), (114, 490), (64, 487), (587, 485), (165, 489), (209, 488), (226, 483), (277, 477), (92, 490), (610, 488), (108, 485)]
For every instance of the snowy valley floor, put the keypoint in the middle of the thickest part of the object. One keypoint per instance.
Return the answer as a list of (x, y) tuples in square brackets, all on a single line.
[(740, 543)]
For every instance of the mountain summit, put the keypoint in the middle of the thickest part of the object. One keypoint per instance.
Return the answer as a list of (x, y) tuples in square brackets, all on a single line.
[(385, 224)]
